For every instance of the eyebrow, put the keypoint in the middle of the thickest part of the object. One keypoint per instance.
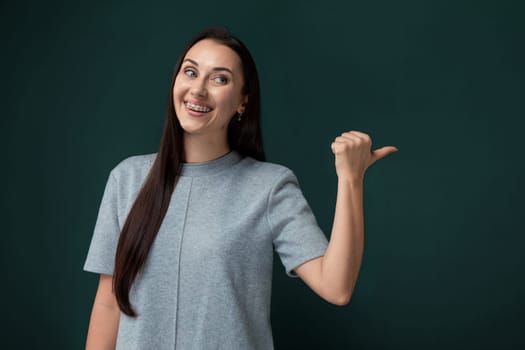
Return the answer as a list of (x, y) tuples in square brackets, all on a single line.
[(216, 69)]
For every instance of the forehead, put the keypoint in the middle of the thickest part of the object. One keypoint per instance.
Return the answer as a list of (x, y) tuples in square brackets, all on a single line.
[(209, 54)]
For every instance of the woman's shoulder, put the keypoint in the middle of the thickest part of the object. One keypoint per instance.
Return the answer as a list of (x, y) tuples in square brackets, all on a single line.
[(265, 169), (138, 164)]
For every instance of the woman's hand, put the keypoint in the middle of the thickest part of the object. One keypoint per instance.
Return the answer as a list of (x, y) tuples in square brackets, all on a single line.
[(333, 276), (353, 154)]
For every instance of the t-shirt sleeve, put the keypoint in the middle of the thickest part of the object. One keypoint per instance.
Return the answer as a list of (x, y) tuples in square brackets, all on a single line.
[(101, 254), (297, 237)]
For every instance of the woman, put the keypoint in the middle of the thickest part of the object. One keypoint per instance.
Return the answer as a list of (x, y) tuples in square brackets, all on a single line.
[(184, 237)]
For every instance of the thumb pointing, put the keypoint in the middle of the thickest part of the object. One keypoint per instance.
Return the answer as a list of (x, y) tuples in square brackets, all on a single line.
[(383, 152)]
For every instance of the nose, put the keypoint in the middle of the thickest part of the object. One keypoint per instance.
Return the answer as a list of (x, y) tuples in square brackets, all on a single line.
[(199, 88)]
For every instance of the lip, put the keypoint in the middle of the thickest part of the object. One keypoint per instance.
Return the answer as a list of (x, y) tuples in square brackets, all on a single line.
[(195, 113), (198, 103)]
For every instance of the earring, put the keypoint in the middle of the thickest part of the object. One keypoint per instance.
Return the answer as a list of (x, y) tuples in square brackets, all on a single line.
[(239, 115)]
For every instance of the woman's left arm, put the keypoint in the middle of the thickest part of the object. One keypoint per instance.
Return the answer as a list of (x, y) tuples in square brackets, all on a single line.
[(333, 276)]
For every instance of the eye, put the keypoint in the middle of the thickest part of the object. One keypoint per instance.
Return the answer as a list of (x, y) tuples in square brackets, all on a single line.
[(190, 73), (222, 80)]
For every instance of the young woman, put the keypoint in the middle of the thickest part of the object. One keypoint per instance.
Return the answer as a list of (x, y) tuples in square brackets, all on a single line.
[(184, 237)]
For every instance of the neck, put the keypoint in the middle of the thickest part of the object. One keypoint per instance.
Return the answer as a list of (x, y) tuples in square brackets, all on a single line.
[(201, 148)]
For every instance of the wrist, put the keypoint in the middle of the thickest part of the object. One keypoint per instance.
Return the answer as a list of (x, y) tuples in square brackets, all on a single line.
[(352, 181)]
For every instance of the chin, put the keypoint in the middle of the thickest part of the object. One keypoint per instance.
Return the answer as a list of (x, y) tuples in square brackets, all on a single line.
[(191, 129)]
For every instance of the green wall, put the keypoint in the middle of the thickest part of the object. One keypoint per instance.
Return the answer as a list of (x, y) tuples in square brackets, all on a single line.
[(85, 85)]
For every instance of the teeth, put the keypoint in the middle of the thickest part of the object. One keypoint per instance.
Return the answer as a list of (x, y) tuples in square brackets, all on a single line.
[(197, 108)]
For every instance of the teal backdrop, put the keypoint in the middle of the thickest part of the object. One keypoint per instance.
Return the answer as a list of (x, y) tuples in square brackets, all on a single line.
[(85, 84)]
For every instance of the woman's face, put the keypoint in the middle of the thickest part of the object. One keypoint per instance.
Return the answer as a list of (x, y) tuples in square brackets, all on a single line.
[(208, 89)]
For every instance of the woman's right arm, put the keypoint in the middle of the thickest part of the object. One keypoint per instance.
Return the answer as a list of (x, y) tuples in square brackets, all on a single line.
[(103, 325)]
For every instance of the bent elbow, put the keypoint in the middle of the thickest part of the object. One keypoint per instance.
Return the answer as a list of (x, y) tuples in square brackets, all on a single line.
[(341, 300)]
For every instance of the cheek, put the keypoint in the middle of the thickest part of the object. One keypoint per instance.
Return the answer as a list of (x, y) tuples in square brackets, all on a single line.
[(230, 100), (178, 88)]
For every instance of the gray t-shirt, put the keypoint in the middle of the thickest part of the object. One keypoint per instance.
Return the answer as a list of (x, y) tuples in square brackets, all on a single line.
[(207, 281)]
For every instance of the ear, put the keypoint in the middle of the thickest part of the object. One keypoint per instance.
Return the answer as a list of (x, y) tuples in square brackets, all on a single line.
[(242, 107)]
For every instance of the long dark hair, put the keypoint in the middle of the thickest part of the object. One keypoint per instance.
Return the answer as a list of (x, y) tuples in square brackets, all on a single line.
[(147, 213)]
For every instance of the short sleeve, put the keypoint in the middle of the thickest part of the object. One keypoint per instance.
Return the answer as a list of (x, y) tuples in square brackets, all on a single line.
[(297, 237), (101, 254)]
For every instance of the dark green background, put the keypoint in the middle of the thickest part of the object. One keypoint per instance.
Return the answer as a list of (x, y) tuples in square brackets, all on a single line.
[(85, 84)]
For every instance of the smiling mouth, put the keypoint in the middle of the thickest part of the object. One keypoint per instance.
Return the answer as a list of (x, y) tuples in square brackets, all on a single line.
[(197, 108)]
